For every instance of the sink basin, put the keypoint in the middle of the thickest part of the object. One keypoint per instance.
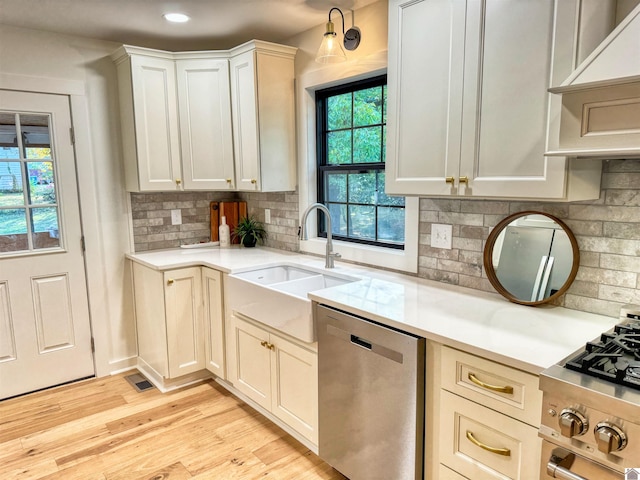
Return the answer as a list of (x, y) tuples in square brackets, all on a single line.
[(277, 296)]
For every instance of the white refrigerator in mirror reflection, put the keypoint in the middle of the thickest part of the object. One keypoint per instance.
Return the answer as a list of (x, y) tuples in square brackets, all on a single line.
[(534, 262)]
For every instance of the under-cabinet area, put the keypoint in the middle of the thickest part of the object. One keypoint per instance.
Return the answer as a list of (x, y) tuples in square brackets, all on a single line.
[(198, 319)]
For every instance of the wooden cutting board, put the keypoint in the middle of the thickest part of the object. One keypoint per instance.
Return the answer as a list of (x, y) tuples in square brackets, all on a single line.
[(233, 211)]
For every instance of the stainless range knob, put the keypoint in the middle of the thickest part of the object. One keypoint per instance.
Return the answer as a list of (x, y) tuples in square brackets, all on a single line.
[(609, 437), (572, 423)]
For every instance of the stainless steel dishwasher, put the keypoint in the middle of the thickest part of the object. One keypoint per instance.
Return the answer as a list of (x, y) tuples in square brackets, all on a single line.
[(371, 398)]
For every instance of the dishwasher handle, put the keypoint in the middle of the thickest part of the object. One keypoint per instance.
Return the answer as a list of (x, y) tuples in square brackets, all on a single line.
[(360, 341)]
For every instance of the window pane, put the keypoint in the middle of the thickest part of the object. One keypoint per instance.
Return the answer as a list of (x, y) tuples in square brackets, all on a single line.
[(339, 147), (338, 219), (336, 187), (339, 112), (391, 224), (383, 198), (13, 230), (367, 107), (384, 104), (8, 137), (366, 145), (41, 186), (11, 184), (384, 143), (362, 222), (45, 227), (362, 187), (35, 136)]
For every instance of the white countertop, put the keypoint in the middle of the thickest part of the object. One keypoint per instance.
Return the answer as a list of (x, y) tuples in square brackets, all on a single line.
[(486, 324)]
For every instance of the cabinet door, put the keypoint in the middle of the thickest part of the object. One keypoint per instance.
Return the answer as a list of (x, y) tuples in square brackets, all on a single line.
[(156, 123), (426, 58), (294, 386), (244, 107), (213, 321), (205, 124), (249, 361), (509, 62), (185, 330)]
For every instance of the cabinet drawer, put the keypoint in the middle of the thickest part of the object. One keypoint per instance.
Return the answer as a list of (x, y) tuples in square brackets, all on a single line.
[(470, 431), (505, 389), (445, 473)]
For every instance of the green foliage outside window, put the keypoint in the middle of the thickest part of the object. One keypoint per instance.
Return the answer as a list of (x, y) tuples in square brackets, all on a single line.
[(351, 155)]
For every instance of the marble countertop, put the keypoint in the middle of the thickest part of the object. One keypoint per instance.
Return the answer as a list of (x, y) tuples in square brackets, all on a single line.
[(486, 324)]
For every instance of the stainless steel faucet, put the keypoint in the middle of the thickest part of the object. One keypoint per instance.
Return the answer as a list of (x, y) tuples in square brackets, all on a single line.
[(331, 255)]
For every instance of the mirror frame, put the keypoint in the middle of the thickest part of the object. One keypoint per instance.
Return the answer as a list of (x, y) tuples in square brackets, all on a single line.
[(491, 273)]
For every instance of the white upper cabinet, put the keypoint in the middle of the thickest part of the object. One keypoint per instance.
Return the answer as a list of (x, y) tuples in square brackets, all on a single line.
[(469, 109), (263, 111), (149, 120), (204, 108), (176, 116)]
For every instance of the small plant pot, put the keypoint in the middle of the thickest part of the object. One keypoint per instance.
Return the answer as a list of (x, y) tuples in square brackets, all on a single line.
[(249, 241)]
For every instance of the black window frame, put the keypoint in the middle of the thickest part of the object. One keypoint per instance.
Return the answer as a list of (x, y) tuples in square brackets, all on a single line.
[(321, 155)]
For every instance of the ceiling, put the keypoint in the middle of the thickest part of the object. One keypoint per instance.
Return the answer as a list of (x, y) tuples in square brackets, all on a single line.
[(215, 24)]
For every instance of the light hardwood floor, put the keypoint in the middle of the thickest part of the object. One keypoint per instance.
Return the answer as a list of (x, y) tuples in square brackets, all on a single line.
[(103, 429)]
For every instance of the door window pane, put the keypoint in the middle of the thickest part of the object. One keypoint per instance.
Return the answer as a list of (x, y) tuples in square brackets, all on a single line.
[(13, 230), (45, 227), (41, 185), (11, 189)]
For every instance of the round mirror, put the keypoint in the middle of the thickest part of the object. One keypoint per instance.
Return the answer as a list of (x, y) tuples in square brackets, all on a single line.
[(531, 258)]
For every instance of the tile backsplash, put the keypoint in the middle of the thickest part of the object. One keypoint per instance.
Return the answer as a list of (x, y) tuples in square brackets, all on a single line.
[(607, 230)]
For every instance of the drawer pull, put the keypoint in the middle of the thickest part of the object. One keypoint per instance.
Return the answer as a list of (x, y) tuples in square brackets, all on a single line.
[(499, 451), (268, 345), (493, 388)]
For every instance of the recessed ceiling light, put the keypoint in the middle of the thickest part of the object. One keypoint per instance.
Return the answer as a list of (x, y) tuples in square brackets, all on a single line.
[(176, 17)]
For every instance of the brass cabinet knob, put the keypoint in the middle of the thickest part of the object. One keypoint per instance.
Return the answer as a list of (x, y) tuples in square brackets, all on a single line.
[(170, 281), (254, 181), (178, 181), (229, 181), (464, 179), (449, 180)]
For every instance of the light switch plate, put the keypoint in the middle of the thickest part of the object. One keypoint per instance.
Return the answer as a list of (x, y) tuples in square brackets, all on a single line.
[(441, 235), (176, 217)]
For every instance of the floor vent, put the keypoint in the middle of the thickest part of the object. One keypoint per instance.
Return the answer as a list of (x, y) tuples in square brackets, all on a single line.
[(138, 382)]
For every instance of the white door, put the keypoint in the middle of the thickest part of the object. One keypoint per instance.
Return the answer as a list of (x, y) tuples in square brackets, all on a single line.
[(45, 336)]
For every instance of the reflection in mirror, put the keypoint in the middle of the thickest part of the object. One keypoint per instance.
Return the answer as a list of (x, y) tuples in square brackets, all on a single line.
[(531, 258)]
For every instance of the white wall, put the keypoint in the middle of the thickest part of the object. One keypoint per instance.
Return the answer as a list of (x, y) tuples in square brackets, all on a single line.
[(51, 63)]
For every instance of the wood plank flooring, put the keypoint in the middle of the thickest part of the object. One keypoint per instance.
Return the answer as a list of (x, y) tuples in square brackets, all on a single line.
[(103, 429)]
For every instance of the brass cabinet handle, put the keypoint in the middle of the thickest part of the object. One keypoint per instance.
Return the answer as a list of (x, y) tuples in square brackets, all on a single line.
[(464, 179), (499, 451), (268, 345), (494, 388), (450, 180), (170, 281)]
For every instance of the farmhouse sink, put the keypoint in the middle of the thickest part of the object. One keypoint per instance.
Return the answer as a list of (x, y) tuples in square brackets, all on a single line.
[(277, 296)]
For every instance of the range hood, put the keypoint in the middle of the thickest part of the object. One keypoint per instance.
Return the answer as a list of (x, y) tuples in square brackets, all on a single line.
[(601, 98)]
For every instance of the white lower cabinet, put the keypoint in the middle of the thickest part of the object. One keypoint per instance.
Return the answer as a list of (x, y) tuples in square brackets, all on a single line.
[(213, 321), (278, 374), (169, 323), (489, 414)]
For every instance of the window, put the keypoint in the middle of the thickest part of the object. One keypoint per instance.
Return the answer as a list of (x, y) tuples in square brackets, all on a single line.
[(351, 141), (28, 197)]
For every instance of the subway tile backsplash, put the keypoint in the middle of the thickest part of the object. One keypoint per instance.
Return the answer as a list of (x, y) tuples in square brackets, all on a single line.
[(607, 230)]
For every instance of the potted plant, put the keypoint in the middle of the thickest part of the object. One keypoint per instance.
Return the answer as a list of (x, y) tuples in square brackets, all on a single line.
[(250, 231)]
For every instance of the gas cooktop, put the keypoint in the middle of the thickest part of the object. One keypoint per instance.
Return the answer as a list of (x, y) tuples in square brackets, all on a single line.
[(615, 357)]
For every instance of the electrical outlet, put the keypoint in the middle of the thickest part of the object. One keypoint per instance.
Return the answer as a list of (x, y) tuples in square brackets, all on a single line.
[(441, 235), (267, 215), (176, 217)]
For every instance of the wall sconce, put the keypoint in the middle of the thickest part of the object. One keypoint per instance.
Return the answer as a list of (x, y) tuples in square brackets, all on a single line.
[(330, 50)]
